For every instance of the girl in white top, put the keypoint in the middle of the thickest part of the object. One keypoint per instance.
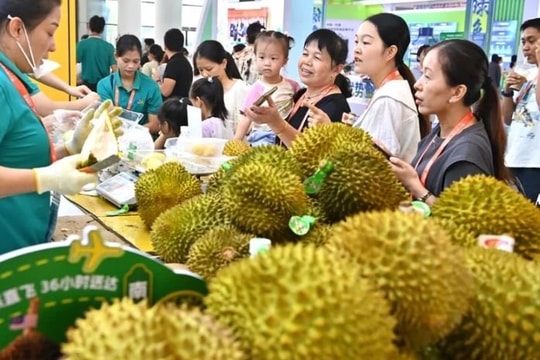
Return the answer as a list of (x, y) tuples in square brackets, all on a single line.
[(155, 56), (271, 53), (391, 117), (207, 94), (212, 60)]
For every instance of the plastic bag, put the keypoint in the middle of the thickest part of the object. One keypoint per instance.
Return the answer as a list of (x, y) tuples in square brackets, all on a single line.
[(64, 122)]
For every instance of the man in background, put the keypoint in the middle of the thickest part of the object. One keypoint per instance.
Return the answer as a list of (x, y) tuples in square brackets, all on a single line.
[(95, 55), (178, 73)]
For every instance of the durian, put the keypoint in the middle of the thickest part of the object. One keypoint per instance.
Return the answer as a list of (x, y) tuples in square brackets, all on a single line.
[(235, 148), (504, 320), (153, 160), (361, 180), (412, 261), (260, 199), (318, 143), (160, 189), (318, 235), (273, 155), (216, 249), (175, 230), (133, 330), (102, 141), (302, 302), (483, 205)]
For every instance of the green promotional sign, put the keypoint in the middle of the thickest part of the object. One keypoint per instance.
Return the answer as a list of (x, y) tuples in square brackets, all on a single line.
[(452, 35), (45, 288)]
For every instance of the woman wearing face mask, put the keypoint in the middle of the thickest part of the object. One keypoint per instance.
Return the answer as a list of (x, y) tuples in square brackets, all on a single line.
[(470, 138), (391, 117), (28, 170), (128, 87), (325, 97)]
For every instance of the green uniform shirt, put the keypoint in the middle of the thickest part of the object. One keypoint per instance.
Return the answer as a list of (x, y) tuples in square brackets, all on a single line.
[(146, 94), (24, 144), (96, 57)]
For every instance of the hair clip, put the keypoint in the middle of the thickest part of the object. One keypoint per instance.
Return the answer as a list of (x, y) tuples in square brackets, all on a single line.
[(210, 79), (10, 17), (181, 101)]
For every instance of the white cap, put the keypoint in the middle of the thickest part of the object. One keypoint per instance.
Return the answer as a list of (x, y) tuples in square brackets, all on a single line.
[(259, 245)]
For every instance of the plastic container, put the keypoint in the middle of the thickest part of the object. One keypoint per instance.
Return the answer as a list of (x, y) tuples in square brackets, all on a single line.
[(205, 147), (201, 165), (171, 146), (258, 246)]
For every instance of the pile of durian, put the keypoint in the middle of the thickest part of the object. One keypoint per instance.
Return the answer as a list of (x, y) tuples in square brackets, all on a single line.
[(366, 281)]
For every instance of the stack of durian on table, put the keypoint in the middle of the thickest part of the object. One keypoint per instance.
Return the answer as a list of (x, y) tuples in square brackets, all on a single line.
[(367, 281)]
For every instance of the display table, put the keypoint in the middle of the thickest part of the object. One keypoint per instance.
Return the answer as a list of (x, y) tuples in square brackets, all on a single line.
[(129, 227)]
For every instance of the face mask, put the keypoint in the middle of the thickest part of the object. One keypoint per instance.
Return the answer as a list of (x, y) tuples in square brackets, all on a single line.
[(37, 71)]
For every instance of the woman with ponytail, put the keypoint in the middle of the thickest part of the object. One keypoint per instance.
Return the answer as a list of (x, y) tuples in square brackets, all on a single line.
[(391, 117), (470, 137)]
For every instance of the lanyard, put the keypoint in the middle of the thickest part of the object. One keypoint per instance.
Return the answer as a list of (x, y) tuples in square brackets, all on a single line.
[(117, 98), (523, 93), (325, 91), (392, 76), (465, 122), (28, 99), (300, 101)]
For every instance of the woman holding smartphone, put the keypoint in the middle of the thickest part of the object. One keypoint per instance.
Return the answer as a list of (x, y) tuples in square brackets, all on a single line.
[(325, 97)]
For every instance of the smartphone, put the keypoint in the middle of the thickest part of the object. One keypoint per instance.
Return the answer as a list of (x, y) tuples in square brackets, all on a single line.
[(386, 154), (264, 97)]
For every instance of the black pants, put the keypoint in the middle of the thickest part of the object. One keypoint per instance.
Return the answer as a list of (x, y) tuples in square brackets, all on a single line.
[(530, 180), (92, 87)]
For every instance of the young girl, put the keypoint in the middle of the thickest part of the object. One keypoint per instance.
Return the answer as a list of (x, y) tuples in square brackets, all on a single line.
[(172, 116), (211, 60), (272, 53), (207, 94)]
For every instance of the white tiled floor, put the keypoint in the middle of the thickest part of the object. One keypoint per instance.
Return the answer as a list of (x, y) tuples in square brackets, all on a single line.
[(68, 209)]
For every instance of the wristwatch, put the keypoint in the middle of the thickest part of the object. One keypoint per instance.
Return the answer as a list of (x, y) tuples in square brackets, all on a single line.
[(424, 197), (507, 93)]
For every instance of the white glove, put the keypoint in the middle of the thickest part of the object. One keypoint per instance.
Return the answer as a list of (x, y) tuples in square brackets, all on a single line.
[(75, 144), (84, 126), (63, 176)]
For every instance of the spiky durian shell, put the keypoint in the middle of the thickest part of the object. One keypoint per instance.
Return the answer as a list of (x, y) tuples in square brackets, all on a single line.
[(235, 148), (504, 319), (302, 302), (318, 143), (31, 346), (361, 180), (133, 330), (483, 205), (260, 199), (176, 229), (459, 234), (318, 235), (162, 188), (273, 155), (413, 262), (217, 249)]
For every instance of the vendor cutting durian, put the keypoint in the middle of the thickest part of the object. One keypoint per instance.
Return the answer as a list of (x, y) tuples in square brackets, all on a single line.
[(31, 166)]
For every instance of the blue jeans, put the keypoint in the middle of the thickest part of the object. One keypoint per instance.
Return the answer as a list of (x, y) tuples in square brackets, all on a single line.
[(261, 137), (530, 180)]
